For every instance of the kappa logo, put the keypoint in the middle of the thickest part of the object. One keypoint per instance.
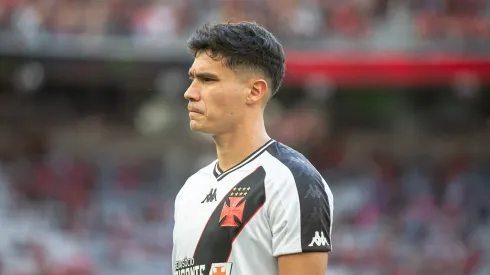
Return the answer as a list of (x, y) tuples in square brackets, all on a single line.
[(235, 208), (313, 191), (211, 196), (220, 269), (319, 239)]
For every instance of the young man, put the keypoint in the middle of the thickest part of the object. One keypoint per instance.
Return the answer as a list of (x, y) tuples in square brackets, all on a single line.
[(261, 208)]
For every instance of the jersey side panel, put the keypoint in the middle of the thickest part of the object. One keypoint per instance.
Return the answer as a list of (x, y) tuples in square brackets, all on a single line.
[(312, 206)]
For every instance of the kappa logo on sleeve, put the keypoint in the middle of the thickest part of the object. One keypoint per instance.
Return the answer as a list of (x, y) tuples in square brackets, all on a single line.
[(319, 239), (220, 269)]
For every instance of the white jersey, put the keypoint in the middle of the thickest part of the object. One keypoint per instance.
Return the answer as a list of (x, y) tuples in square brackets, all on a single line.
[(237, 222)]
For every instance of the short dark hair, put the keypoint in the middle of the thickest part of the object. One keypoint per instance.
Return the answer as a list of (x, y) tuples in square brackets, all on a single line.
[(244, 44)]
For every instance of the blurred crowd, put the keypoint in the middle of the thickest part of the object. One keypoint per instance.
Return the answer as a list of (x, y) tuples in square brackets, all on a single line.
[(289, 19), (412, 218), (61, 214)]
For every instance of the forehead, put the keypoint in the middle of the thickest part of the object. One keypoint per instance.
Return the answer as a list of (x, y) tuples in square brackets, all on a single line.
[(205, 62)]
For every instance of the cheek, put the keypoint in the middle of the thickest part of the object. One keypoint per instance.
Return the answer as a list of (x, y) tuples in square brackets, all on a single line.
[(225, 103), (231, 107)]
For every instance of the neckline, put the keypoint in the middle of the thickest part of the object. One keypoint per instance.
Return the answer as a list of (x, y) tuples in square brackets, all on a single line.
[(220, 174)]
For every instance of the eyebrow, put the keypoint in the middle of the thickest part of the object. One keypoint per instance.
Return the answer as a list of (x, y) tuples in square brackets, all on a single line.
[(202, 75)]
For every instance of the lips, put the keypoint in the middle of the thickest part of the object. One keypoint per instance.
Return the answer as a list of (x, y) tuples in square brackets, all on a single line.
[(193, 110)]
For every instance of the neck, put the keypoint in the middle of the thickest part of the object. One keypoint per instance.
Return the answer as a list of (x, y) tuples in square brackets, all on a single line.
[(234, 146)]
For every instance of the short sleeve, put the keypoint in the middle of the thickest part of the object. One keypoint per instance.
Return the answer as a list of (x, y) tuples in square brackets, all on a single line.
[(300, 214)]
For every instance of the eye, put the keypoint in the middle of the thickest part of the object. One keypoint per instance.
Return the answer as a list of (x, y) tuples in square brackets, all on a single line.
[(207, 79)]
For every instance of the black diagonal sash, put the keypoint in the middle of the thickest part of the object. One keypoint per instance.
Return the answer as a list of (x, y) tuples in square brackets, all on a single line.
[(247, 197)]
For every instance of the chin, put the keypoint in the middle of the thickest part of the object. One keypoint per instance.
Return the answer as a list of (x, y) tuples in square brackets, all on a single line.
[(196, 127)]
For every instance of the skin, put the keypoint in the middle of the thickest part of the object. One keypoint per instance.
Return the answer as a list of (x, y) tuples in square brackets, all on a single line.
[(229, 105)]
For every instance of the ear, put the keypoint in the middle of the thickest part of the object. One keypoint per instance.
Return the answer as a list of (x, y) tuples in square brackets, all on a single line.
[(258, 92)]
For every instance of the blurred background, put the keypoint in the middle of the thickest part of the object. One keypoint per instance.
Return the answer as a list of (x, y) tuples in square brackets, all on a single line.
[(389, 99)]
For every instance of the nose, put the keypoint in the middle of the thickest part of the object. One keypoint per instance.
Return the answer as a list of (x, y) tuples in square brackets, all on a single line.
[(192, 93)]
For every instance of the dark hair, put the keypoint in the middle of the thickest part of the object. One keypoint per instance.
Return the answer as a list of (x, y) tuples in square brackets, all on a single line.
[(244, 44)]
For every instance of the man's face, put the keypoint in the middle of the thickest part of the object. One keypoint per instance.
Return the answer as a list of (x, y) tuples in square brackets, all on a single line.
[(217, 97)]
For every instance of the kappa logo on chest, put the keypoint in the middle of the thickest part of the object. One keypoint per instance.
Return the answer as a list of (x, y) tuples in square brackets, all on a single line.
[(211, 196)]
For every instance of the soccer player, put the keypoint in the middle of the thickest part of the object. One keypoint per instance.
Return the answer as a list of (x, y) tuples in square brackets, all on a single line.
[(261, 208)]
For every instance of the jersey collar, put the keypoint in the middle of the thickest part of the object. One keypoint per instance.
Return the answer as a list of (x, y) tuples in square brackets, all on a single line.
[(220, 174)]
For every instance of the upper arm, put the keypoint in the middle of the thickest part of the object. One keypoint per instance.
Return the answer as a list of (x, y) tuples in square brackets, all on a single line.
[(300, 217), (314, 263)]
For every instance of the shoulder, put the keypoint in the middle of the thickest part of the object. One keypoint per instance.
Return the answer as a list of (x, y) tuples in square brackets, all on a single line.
[(206, 171), (300, 206), (294, 164), (199, 176), (293, 173)]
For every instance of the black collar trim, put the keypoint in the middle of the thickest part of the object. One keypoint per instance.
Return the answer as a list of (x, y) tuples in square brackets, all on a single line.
[(220, 174)]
